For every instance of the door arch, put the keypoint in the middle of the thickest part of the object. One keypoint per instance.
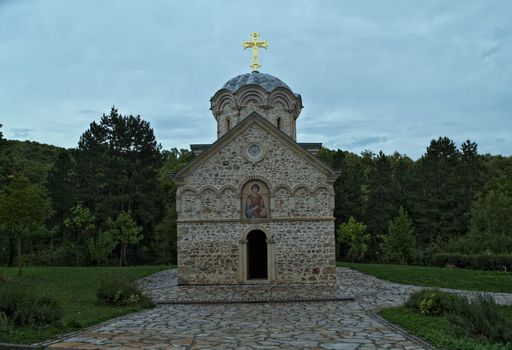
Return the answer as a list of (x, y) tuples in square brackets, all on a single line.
[(257, 257), (257, 250)]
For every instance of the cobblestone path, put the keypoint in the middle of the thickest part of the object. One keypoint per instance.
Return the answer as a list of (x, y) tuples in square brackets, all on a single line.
[(258, 317)]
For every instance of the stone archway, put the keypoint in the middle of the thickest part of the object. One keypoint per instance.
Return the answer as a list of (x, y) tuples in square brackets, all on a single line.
[(257, 261), (257, 246)]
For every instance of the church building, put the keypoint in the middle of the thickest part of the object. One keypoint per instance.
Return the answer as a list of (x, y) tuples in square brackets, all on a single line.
[(256, 207)]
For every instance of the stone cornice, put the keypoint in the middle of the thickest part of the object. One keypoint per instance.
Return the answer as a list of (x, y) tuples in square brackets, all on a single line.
[(249, 222)]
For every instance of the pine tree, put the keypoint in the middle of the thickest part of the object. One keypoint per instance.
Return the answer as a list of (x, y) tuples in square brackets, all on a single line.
[(62, 188), (438, 192), (472, 176), (118, 160), (382, 201)]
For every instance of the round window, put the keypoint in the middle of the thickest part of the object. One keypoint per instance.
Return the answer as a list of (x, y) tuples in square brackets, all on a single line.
[(254, 150)]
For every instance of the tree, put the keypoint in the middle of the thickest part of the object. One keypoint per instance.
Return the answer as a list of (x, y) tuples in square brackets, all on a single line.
[(23, 208), (436, 210), (348, 188), (101, 246), (472, 180), (62, 188), (400, 244), (383, 196), (79, 227), (164, 241), (118, 162), (353, 235), (491, 219), (125, 231)]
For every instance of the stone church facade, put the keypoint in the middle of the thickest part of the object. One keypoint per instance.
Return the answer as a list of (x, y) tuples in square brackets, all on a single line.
[(256, 206)]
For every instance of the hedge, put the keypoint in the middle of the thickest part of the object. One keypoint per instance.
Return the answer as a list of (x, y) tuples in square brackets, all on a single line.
[(475, 261)]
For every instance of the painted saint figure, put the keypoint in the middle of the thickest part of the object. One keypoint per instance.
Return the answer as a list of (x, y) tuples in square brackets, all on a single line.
[(255, 206)]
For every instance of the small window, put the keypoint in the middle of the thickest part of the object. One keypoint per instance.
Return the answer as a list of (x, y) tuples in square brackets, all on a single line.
[(228, 124), (279, 123)]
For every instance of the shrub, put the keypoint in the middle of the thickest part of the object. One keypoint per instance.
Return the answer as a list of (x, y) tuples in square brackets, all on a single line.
[(475, 261), (481, 317), (431, 302), (5, 325), (118, 289), (22, 307), (3, 278), (353, 235)]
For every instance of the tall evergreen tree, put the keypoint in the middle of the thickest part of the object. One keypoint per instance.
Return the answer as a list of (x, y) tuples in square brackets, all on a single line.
[(438, 193), (164, 242), (383, 195), (62, 189), (348, 188), (403, 178), (472, 180), (118, 160)]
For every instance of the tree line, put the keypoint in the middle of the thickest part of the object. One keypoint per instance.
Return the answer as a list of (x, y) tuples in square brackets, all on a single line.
[(452, 199), (112, 200)]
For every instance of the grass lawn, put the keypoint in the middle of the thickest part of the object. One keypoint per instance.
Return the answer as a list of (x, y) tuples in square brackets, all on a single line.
[(438, 331), (75, 290), (489, 281)]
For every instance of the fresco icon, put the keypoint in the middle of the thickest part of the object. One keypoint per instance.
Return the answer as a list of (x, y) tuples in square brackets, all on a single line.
[(255, 200)]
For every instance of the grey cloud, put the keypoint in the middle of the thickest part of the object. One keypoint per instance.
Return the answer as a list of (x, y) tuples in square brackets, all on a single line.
[(371, 74), (20, 132)]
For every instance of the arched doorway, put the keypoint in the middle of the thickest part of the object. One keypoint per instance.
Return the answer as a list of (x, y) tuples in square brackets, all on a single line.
[(257, 264)]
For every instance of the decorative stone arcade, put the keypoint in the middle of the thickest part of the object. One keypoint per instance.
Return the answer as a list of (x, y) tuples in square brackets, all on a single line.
[(255, 206)]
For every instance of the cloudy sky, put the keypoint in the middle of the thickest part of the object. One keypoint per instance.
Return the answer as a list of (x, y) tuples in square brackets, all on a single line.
[(377, 75)]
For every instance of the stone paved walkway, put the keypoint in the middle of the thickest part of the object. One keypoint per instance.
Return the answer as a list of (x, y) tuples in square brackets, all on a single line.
[(256, 317)]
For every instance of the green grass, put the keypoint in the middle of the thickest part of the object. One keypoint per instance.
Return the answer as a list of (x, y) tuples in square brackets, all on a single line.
[(438, 331), (489, 281), (75, 290)]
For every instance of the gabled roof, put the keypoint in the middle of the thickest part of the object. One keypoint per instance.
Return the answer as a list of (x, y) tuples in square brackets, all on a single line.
[(255, 118)]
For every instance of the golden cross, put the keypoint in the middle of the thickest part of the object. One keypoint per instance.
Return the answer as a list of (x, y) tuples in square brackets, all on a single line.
[(255, 44)]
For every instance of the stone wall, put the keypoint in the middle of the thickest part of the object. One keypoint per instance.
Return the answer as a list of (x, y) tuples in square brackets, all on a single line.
[(210, 253), (279, 166), (299, 228)]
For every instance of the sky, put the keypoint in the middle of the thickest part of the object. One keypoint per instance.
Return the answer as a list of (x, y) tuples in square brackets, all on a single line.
[(373, 75)]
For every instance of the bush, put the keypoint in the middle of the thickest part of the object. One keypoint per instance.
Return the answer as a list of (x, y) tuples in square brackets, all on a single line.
[(481, 317), (5, 325), (475, 261), (118, 289), (353, 235), (431, 302), (23, 307), (3, 278)]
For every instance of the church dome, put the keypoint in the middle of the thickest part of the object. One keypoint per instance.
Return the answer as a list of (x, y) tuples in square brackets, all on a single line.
[(266, 81)]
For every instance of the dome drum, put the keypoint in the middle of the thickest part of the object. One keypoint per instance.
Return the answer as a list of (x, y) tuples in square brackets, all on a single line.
[(256, 92)]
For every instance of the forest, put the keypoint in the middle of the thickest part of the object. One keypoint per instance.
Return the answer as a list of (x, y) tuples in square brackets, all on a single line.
[(111, 201)]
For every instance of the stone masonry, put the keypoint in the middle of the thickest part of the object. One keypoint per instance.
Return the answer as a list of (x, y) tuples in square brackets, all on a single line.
[(294, 211)]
